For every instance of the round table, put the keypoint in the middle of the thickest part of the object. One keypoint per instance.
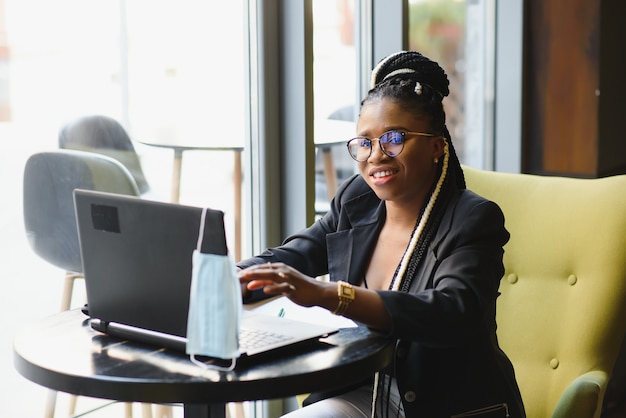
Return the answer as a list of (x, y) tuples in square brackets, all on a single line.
[(62, 352)]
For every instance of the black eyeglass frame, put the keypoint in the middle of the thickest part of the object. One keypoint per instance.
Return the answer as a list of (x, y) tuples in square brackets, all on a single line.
[(403, 135)]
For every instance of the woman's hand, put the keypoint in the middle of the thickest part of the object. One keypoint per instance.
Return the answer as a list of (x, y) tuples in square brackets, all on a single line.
[(281, 279)]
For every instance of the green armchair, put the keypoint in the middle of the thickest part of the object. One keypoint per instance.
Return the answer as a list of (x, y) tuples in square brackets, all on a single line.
[(562, 312)]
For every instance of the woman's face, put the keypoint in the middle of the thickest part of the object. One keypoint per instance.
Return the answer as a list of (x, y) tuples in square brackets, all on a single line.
[(407, 178)]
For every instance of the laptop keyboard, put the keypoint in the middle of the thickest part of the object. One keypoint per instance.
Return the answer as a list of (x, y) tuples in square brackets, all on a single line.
[(255, 339)]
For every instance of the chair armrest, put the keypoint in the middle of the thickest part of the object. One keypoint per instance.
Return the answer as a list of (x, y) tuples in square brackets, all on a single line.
[(583, 397)]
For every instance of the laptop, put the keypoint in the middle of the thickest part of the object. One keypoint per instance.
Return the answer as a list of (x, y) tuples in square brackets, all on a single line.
[(136, 255)]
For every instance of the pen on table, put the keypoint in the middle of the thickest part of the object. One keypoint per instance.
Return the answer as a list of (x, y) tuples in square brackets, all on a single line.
[(281, 313)]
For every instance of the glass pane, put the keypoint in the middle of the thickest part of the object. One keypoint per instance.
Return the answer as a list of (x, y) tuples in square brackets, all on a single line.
[(170, 70), (185, 72), (335, 86), (437, 30), (163, 69)]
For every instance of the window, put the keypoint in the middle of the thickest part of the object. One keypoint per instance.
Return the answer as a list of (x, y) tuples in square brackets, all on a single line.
[(163, 69), (335, 95), (459, 34), (167, 70), (437, 30)]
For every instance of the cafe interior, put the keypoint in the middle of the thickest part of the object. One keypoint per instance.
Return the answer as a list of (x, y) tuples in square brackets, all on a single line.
[(246, 106)]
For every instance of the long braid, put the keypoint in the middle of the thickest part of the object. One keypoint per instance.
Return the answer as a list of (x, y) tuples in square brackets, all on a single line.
[(421, 226), (456, 172), (418, 85)]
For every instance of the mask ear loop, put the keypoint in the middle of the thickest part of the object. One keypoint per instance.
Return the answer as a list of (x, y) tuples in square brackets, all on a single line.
[(192, 357), (210, 366), (201, 231)]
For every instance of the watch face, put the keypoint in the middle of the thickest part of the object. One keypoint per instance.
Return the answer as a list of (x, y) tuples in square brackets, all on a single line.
[(347, 292)]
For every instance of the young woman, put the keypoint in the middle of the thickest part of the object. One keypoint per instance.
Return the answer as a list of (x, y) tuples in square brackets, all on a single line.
[(417, 255)]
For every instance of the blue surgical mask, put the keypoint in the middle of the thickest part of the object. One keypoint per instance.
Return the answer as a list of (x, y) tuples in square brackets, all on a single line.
[(214, 307)]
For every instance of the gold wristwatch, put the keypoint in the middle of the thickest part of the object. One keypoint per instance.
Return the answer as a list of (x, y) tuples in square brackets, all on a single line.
[(346, 294)]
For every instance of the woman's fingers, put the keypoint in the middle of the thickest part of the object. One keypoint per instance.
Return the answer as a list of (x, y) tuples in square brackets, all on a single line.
[(257, 284), (273, 278), (274, 272), (272, 288)]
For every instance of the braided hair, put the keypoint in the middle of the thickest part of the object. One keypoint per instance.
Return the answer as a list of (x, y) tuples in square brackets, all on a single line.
[(419, 85)]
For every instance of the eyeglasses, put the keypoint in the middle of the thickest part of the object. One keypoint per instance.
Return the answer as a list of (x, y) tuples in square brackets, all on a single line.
[(391, 144)]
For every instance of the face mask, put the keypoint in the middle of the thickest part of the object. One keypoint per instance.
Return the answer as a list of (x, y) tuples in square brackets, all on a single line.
[(214, 307)]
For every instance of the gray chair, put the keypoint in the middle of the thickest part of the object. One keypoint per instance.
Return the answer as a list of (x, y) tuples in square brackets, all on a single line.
[(104, 135), (49, 181)]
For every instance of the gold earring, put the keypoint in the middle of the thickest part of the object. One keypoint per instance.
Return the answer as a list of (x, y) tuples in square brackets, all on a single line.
[(436, 160)]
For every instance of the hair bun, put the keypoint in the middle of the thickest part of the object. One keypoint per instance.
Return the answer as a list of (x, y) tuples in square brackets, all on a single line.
[(411, 64)]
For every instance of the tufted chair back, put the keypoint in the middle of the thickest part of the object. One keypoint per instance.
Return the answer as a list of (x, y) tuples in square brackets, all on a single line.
[(562, 312)]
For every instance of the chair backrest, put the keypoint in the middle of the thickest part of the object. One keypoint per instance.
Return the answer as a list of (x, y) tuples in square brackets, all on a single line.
[(562, 312), (104, 135), (49, 181)]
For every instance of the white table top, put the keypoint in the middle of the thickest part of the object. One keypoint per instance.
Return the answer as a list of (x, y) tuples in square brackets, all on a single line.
[(326, 132)]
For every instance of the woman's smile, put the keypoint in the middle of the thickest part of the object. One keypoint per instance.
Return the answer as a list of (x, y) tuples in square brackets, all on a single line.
[(382, 175)]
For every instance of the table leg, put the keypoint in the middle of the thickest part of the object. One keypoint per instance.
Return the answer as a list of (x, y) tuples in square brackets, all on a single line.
[(205, 411), (176, 172), (329, 172), (237, 180), (51, 402)]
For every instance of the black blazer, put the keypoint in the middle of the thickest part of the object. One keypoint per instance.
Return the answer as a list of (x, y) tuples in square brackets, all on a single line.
[(447, 359)]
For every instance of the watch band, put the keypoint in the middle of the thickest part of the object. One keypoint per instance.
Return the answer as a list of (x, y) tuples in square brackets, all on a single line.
[(346, 294)]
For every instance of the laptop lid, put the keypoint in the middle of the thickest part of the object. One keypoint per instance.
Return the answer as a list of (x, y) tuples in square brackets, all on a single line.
[(136, 257), (137, 263)]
